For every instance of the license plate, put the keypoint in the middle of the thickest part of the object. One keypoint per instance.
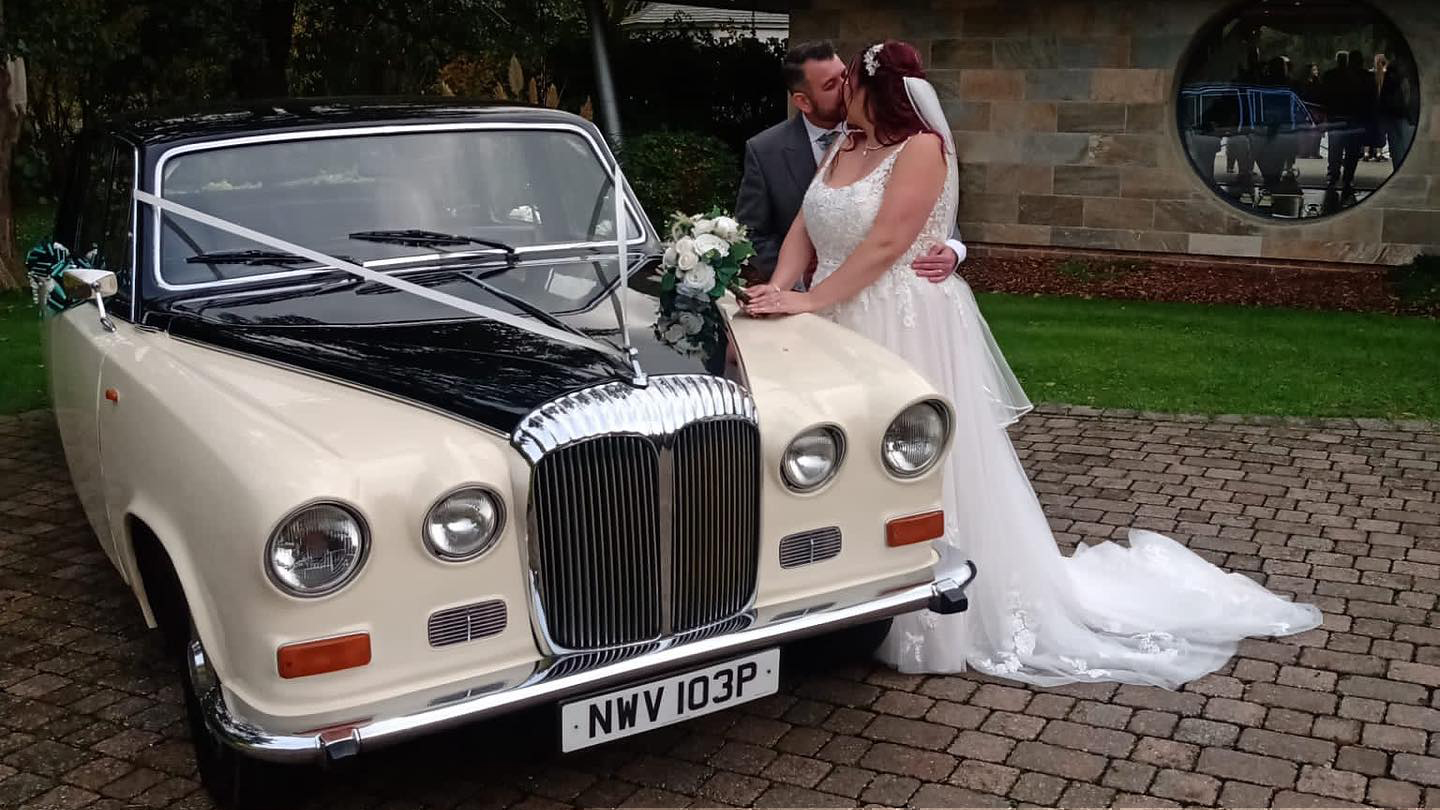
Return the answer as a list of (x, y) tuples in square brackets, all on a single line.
[(673, 699)]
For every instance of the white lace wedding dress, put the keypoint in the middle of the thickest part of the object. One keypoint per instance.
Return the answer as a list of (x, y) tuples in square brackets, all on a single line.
[(1150, 613)]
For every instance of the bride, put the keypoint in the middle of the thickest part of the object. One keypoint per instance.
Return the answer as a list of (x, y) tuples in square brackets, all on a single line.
[(1150, 613)]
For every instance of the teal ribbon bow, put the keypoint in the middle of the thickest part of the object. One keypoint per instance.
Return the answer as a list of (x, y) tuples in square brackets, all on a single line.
[(45, 266)]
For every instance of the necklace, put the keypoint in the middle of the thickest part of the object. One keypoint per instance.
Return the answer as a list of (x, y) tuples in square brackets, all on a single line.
[(867, 149)]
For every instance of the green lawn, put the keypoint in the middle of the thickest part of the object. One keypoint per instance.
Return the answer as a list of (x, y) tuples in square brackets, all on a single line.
[(1208, 359), (22, 377)]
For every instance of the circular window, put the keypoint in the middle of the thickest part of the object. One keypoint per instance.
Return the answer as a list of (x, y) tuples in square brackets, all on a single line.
[(1298, 109)]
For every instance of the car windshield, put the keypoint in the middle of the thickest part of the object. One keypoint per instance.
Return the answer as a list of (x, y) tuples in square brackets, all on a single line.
[(523, 188)]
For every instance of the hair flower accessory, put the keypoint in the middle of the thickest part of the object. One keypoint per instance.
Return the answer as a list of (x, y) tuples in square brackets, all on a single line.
[(872, 59)]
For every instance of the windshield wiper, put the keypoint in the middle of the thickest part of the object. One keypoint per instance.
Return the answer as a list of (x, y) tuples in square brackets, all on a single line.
[(265, 296), (478, 279), (419, 237), (253, 257)]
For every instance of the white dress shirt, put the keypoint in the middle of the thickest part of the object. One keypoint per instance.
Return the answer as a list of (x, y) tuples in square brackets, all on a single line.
[(815, 133)]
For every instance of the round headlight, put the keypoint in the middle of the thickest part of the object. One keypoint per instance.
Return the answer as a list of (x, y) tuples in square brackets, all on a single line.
[(812, 458), (463, 524), (915, 440), (316, 550)]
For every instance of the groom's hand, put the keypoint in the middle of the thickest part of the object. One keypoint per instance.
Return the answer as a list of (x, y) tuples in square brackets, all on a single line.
[(935, 264)]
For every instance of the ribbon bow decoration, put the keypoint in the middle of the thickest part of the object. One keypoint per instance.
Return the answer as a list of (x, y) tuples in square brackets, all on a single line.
[(45, 265)]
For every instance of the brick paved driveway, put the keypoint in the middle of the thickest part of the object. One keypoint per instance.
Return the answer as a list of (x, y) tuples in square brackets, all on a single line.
[(1346, 514)]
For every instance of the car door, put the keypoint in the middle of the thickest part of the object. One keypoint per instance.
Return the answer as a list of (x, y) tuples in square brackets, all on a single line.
[(94, 225)]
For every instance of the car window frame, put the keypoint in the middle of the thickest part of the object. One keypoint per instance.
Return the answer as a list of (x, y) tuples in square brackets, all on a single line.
[(645, 237)]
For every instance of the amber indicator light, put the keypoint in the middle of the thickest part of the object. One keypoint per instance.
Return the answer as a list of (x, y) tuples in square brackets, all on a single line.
[(914, 529), (325, 655)]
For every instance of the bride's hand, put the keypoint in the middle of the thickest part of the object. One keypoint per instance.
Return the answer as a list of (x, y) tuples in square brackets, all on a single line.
[(768, 300)]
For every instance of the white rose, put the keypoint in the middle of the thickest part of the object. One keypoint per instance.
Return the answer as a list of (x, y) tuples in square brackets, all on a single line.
[(726, 228), (703, 225), (701, 279), (687, 261), (670, 256), (684, 245), (691, 322), (708, 243)]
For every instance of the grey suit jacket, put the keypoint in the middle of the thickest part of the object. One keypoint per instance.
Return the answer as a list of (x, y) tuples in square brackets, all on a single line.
[(779, 165)]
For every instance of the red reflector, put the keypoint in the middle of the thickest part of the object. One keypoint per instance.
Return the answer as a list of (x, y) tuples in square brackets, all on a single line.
[(325, 655), (914, 529)]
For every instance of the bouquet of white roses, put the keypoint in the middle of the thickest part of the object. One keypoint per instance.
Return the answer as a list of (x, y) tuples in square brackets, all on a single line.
[(705, 254)]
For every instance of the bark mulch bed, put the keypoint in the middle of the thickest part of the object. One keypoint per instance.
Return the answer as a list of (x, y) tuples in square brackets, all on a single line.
[(1087, 274)]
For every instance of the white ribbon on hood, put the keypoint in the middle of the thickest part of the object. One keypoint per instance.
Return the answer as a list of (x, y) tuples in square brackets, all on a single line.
[(468, 307)]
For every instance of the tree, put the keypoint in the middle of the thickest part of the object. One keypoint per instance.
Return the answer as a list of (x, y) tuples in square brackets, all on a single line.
[(12, 118), (262, 71)]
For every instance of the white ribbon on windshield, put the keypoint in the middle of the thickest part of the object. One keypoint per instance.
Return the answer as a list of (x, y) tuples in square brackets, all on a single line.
[(469, 307), (622, 266)]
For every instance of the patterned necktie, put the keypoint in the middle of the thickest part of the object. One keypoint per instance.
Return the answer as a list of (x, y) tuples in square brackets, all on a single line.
[(826, 139)]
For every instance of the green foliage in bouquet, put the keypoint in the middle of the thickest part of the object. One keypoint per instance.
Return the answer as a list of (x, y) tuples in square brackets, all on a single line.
[(705, 254)]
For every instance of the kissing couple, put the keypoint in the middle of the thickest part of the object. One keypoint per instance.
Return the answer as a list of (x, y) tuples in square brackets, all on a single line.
[(873, 223)]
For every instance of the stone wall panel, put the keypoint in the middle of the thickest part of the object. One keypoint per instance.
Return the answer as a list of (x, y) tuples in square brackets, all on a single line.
[(1065, 125)]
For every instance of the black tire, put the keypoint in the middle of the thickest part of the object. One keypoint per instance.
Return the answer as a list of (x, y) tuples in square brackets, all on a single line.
[(849, 645), (234, 781)]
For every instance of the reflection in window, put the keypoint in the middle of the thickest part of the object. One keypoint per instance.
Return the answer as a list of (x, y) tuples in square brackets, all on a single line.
[(1301, 109)]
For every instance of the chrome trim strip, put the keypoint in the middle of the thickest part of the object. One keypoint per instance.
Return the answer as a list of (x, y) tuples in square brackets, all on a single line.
[(667, 404), (632, 201), (344, 741)]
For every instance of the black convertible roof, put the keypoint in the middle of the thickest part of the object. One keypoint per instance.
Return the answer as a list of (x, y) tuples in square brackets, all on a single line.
[(289, 115)]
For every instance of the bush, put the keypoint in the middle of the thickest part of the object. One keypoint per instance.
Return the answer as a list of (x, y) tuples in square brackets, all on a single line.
[(683, 80), (1417, 285), (680, 171)]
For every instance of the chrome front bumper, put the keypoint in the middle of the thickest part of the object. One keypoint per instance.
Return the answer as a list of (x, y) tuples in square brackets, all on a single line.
[(769, 627)]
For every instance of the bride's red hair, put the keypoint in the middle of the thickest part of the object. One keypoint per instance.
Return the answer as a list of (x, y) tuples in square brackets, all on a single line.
[(887, 105)]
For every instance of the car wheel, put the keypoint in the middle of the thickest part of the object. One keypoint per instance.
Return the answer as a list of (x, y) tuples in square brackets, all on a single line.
[(235, 781)]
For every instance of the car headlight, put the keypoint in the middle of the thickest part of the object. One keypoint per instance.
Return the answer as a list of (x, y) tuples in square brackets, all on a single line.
[(812, 458), (316, 549), (464, 524), (916, 439)]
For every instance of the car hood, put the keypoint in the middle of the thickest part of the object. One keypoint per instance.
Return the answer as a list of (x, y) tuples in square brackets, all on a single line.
[(478, 370)]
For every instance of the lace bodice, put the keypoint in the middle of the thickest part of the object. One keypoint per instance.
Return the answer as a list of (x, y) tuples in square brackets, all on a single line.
[(839, 219)]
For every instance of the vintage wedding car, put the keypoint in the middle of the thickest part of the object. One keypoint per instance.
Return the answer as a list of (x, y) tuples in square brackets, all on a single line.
[(359, 406)]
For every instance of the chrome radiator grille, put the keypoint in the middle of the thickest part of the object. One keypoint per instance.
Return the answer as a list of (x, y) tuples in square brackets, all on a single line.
[(716, 519), (644, 510), (598, 541)]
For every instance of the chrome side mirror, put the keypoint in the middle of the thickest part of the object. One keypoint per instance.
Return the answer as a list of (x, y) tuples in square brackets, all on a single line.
[(100, 283)]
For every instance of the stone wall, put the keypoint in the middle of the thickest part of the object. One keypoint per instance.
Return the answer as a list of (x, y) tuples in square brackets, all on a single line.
[(1066, 129)]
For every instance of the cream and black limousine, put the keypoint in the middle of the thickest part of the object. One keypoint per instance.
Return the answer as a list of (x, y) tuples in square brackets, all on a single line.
[(375, 408)]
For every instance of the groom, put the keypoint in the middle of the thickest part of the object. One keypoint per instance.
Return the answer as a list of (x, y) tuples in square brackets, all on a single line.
[(780, 162)]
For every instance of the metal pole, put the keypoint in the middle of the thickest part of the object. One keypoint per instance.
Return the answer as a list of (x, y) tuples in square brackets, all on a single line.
[(604, 82)]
